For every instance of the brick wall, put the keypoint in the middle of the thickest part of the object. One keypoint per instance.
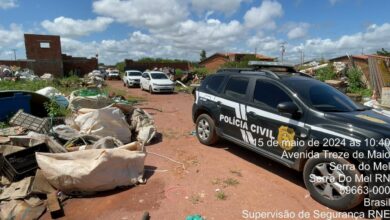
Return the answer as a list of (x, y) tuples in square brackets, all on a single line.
[(45, 50), (79, 65), (20, 63), (132, 65), (215, 63)]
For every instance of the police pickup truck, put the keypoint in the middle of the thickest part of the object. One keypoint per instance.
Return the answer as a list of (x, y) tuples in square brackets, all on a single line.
[(302, 123)]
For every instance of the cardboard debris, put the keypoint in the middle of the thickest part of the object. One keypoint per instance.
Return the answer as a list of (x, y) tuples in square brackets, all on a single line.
[(12, 131), (9, 149), (41, 185), (53, 205), (19, 209), (4, 140), (17, 190)]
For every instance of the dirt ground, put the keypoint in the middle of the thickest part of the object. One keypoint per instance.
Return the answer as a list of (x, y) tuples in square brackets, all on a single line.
[(218, 182)]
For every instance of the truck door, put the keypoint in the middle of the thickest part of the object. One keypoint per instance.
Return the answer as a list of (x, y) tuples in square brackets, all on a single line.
[(269, 129), (232, 120)]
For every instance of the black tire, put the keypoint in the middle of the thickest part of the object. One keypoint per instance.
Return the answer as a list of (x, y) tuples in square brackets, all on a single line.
[(205, 130), (328, 192), (150, 90)]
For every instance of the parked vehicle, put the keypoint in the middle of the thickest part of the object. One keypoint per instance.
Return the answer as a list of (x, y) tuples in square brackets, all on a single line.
[(113, 74), (132, 78), (280, 113), (156, 82)]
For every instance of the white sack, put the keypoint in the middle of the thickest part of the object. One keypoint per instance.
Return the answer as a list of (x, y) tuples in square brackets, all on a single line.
[(105, 122), (143, 124), (92, 170), (52, 92), (48, 91)]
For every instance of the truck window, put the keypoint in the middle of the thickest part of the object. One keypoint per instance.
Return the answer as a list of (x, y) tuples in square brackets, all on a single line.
[(269, 95), (214, 83), (236, 87)]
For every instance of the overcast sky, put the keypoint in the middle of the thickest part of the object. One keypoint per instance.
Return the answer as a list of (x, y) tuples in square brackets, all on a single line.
[(119, 29)]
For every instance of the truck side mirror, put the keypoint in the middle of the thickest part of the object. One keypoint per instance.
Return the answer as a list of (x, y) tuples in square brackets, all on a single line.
[(288, 108)]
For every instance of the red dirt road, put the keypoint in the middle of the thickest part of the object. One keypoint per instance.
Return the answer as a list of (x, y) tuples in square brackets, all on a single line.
[(173, 192)]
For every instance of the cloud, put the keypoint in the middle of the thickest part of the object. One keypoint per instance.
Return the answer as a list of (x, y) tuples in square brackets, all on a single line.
[(193, 36), (225, 6), (69, 27), (297, 30), (372, 39), (154, 14), (264, 15), (6, 4), (266, 45), (184, 41), (11, 36)]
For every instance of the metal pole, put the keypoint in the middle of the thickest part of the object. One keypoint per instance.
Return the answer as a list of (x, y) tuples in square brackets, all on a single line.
[(14, 53), (282, 50)]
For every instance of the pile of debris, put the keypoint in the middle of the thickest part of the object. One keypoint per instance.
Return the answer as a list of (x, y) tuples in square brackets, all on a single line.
[(97, 147), (14, 72)]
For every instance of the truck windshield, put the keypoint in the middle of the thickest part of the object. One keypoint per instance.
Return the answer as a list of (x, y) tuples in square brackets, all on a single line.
[(321, 96), (158, 76), (134, 74)]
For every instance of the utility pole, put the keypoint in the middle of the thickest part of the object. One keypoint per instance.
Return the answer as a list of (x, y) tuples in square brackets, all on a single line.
[(302, 53), (282, 49), (14, 53)]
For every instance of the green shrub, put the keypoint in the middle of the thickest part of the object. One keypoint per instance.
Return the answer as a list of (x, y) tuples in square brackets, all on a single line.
[(326, 73), (179, 73), (355, 83), (64, 85), (55, 110), (201, 71)]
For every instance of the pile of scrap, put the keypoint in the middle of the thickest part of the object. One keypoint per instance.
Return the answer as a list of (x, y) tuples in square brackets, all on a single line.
[(40, 162), (16, 73)]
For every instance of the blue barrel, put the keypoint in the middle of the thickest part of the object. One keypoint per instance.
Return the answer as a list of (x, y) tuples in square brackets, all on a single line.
[(9, 105)]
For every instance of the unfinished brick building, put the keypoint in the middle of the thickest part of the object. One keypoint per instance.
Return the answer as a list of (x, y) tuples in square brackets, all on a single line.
[(45, 52), (44, 55)]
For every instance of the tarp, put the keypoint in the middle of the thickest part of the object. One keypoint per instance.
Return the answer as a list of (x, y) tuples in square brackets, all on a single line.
[(105, 122), (92, 170), (143, 124), (77, 102)]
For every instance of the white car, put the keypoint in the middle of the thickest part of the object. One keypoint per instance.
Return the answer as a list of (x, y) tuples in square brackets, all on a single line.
[(113, 74), (156, 82), (132, 78)]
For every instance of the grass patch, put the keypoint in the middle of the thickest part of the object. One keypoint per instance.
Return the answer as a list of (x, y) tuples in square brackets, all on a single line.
[(64, 85), (216, 181), (195, 199), (3, 125), (180, 88), (231, 182), (221, 195), (120, 92), (326, 73)]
